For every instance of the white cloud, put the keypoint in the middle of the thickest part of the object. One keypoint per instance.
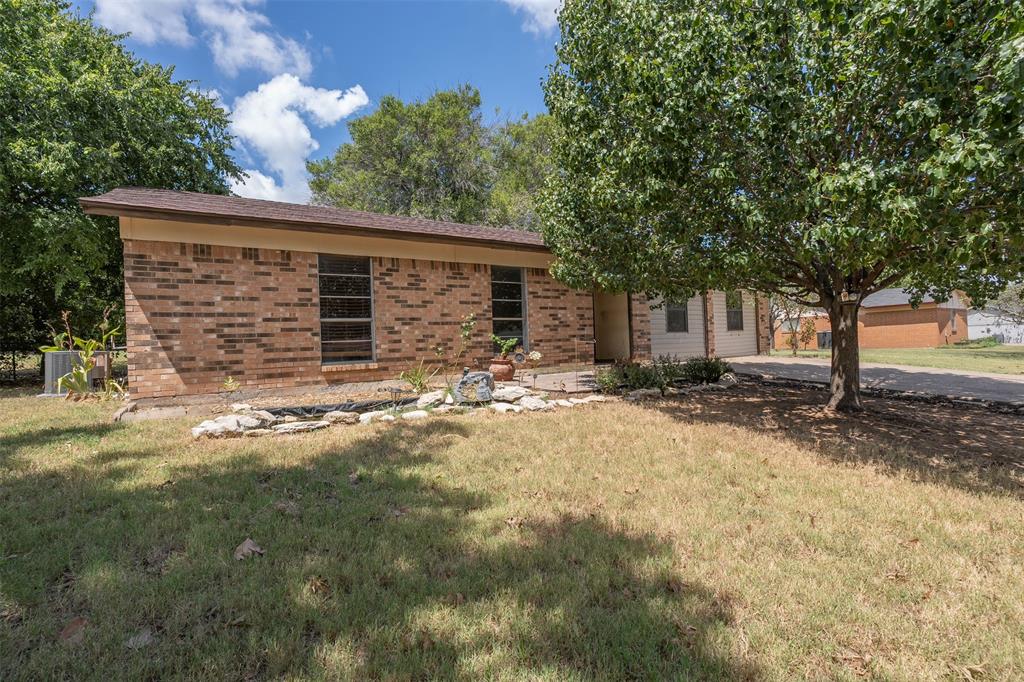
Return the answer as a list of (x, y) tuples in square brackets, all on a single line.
[(271, 121), (541, 15), (238, 36), (149, 21)]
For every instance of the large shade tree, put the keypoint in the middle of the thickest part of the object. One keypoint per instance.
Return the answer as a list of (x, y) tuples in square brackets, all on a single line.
[(80, 115), (818, 149)]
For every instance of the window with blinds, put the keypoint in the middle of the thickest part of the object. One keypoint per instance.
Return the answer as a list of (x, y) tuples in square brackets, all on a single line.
[(346, 309), (734, 311), (508, 303), (677, 318)]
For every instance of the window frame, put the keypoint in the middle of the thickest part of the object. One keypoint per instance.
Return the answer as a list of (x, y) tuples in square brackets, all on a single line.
[(686, 317), (525, 340), (322, 319), (730, 323)]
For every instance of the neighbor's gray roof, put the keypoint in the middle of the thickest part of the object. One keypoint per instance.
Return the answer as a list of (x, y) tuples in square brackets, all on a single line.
[(887, 297), (217, 209)]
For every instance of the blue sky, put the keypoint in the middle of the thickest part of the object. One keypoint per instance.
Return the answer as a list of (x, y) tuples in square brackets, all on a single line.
[(292, 72)]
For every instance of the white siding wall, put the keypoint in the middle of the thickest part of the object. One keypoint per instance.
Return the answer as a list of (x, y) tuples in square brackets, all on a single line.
[(731, 344), (684, 344)]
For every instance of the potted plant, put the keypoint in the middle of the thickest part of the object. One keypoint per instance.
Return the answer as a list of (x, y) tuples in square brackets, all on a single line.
[(502, 367)]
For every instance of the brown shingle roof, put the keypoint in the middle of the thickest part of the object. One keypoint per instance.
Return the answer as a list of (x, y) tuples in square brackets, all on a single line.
[(217, 209)]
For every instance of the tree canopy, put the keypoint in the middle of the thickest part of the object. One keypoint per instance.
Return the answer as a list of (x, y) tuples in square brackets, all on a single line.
[(438, 159), (817, 149), (80, 115)]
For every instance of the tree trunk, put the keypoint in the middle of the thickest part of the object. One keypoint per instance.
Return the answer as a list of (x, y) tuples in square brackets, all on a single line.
[(845, 380)]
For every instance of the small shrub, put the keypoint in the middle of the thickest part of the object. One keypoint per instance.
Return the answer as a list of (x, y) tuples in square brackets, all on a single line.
[(670, 367), (705, 370), (984, 342), (230, 384), (608, 380)]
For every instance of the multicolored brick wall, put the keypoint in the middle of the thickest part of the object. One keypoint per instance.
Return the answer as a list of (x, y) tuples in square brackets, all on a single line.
[(560, 320), (199, 313)]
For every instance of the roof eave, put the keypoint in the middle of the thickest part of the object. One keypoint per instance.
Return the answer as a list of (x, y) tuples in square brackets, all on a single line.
[(93, 207)]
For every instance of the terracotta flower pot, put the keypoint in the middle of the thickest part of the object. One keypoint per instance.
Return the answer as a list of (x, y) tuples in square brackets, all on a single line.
[(502, 369)]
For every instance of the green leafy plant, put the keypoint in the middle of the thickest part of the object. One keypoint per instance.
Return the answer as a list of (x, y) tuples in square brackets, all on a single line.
[(419, 377), (504, 347), (78, 383), (231, 384), (114, 390), (450, 360)]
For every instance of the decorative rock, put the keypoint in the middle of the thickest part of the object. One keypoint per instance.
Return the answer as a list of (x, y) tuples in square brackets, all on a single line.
[(564, 403), (367, 417), (595, 399), (298, 427), (241, 407), (444, 409), (510, 394), (263, 416), (475, 387), (429, 399), (387, 418), (227, 425), (288, 419), (255, 433), (727, 379), (339, 417), (502, 408), (448, 399), (415, 414), (534, 404), (644, 394)]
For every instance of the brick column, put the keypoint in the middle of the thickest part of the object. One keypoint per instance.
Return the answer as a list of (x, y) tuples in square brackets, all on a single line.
[(709, 324), (640, 325)]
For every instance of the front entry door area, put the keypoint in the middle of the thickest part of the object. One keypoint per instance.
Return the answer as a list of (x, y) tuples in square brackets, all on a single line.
[(611, 327)]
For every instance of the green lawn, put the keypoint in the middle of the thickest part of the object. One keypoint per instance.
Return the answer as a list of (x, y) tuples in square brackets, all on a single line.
[(602, 542), (998, 359)]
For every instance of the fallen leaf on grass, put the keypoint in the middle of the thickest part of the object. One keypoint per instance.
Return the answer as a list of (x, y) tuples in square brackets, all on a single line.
[(968, 672), (287, 507), (141, 639), (247, 549), (858, 663), (318, 586), (74, 631), (354, 478), (515, 522)]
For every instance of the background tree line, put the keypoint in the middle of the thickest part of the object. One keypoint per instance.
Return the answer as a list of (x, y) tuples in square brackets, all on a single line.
[(438, 159)]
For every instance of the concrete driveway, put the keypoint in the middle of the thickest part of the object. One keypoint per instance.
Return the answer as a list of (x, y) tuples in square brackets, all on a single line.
[(943, 382)]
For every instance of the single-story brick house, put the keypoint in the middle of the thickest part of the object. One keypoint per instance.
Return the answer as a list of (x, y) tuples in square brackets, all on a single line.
[(887, 320), (279, 295)]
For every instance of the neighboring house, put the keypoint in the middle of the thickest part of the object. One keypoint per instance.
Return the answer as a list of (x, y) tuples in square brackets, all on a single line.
[(279, 295), (988, 322), (887, 320)]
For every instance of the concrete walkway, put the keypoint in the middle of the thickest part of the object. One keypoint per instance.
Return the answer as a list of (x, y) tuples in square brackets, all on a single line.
[(930, 380)]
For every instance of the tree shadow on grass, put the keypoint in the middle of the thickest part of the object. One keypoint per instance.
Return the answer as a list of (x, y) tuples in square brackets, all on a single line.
[(377, 565), (964, 447)]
